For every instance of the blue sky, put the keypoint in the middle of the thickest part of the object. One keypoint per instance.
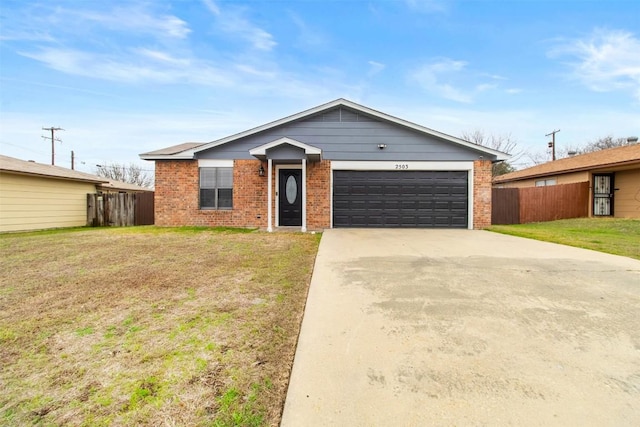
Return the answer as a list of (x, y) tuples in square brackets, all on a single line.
[(126, 77)]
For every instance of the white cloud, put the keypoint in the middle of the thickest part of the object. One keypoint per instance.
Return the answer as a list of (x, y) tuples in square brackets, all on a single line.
[(428, 6), (375, 68), (430, 76), (237, 25), (26, 35), (451, 79), (485, 87), (46, 23), (607, 60), (232, 20), (308, 37), (131, 19), (135, 43), (212, 6), (131, 69), (496, 77), (254, 71), (161, 56)]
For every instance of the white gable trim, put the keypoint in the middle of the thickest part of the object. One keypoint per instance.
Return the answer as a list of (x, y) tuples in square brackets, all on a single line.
[(343, 102), (262, 150)]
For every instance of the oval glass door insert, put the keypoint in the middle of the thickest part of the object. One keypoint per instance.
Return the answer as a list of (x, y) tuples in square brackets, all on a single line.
[(291, 189)]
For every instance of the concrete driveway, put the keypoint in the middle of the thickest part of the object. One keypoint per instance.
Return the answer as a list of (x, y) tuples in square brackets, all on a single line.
[(460, 327)]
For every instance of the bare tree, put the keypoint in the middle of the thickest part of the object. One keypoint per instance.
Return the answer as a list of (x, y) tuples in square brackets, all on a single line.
[(604, 143), (573, 150), (132, 173), (538, 158), (504, 143)]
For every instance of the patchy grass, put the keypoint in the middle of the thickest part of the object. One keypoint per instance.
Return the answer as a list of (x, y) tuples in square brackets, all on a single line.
[(611, 235), (149, 326)]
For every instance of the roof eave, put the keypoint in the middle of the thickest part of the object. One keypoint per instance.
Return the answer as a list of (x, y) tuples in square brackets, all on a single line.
[(565, 171), (45, 175), (166, 156)]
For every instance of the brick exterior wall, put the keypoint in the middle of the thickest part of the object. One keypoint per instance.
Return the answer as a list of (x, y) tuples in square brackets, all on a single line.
[(176, 192), (177, 195), (481, 194), (319, 195)]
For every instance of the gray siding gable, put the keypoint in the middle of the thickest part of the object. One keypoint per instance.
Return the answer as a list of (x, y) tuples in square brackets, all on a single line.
[(285, 152), (347, 134)]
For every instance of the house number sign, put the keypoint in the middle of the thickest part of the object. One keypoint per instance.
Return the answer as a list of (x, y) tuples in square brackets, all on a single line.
[(402, 166)]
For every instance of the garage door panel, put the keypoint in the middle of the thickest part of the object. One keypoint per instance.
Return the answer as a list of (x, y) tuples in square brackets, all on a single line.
[(391, 205), (407, 205), (400, 199)]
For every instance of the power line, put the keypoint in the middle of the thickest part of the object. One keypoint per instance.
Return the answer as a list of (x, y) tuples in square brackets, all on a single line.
[(23, 148)]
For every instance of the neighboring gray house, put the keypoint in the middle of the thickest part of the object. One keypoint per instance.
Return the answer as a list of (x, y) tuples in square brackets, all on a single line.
[(340, 164)]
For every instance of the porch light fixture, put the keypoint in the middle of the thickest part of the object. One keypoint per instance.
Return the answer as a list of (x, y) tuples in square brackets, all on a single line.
[(382, 146), (261, 170)]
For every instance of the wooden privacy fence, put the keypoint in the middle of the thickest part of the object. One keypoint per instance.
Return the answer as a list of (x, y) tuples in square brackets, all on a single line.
[(119, 209), (537, 204), (144, 209)]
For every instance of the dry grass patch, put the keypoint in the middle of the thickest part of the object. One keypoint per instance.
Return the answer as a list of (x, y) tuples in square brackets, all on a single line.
[(149, 326)]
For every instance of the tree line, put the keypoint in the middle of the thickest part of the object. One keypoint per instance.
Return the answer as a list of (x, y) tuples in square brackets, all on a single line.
[(507, 144), (131, 174)]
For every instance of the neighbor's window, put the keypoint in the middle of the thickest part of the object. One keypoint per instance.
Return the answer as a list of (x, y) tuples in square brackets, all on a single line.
[(545, 182), (216, 188)]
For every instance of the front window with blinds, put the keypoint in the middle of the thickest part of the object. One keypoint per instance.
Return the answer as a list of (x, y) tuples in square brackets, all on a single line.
[(216, 188)]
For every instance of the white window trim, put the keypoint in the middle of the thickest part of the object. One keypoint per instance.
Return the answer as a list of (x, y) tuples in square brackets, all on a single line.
[(216, 208), (214, 163), (401, 165)]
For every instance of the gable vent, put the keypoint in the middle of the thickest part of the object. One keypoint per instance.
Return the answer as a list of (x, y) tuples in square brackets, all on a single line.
[(341, 115)]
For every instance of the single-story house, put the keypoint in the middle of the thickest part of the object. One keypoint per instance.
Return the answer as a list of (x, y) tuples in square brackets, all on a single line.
[(613, 176), (340, 164), (35, 196)]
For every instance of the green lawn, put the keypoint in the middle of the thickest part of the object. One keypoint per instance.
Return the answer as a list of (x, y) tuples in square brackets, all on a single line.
[(149, 326), (614, 236)]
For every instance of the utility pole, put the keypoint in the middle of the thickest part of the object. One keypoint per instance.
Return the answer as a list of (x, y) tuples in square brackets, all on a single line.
[(73, 160), (53, 140), (552, 144)]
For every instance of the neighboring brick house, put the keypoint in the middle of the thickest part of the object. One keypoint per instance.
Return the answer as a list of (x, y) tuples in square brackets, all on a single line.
[(612, 175), (336, 165)]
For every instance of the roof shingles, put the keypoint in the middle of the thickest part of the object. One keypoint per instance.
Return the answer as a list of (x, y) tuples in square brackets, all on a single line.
[(611, 157), (13, 165)]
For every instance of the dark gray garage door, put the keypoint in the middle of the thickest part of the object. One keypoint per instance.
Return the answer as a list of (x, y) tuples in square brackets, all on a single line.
[(400, 199)]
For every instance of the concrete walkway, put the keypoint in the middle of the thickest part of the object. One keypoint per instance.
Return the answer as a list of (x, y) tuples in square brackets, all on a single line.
[(460, 327)]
